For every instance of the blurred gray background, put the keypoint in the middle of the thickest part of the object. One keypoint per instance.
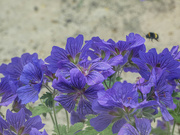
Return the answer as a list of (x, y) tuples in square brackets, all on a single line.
[(37, 25)]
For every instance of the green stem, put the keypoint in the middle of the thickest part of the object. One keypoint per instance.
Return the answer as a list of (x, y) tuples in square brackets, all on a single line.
[(168, 127), (52, 118), (106, 84), (126, 120), (48, 88), (110, 82), (67, 119), (56, 123), (173, 127), (54, 111)]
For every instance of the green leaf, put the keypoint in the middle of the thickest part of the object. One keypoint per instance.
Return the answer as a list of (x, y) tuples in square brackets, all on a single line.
[(176, 112), (118, 79), (40, 109), (47, 98), (58, 108), (158, 115), (148, 112), (62, 129), (72, 130), (159, 131), (89, 130), (176, 94), (75, 128)]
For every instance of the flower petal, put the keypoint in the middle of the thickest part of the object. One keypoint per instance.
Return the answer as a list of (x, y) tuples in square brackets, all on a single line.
[(62, 85), (117, 125), (100, 66), (91, 92), (127, 129), (78, 80), (84, 107), (73, 46), (67, 101), (57, 54), (16, 120), (101, 122), (31, 74), (34, 122), (27, 94), (94, 77), (143, 126)]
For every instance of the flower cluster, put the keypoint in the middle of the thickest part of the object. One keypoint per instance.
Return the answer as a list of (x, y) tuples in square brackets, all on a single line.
[(86, 80), (17, 123)]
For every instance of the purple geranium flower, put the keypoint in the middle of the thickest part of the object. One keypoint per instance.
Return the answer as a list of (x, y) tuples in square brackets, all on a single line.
[(32, 79), (94, 71), (158, 92), (72, 54), (143, 127), (17, 123), (151, 59), (15, 68), (113, 106), (25, 76), (75, 92)]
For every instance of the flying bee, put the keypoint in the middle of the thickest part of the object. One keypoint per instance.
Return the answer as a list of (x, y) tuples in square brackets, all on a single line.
[(152, 35)]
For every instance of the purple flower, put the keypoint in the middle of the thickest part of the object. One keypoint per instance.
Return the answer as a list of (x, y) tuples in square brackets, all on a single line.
[(25, 76), (151, 59), (94, 71), (35, 131), (72, 54), (143, 127), (75, 117), (75, 92), (157, 89), (8, 91), (32, 79), (17, 124), (15, 68), (174, 52), (113, 105)]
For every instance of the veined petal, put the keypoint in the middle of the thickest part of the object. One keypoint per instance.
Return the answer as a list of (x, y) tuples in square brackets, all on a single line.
[(91, 92), (7, 99), (100, 66), (117, 125), (127, 129), (35, 122), (101, 122), (78, 80), (3, 125), (166, 115), (62, 85), (67, 101), (116, 60), (143, 126), (73, 46), (99, 108), (57, 54), (94, 77), (31, 74), (16, 120), (27, 94), (84, 107)]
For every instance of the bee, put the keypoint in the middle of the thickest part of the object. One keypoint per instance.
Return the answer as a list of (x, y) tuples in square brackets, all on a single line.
[(152, 35)]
